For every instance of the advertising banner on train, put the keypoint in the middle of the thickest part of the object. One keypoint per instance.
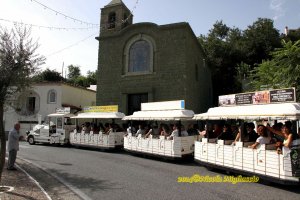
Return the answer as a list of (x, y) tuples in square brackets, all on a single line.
[(259, 97)]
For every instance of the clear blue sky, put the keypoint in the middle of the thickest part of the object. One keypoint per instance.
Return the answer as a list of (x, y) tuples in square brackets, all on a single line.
[(200, 14)]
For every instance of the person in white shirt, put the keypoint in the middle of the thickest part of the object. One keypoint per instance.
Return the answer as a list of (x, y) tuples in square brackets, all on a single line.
[(131, 129), (175, 132), (263, 137), (140, 131)]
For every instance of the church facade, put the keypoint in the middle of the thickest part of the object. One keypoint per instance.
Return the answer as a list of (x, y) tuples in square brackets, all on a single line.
[(146, 62)]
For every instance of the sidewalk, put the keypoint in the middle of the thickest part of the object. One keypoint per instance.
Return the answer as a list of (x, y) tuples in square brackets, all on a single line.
[(21, 186), (35, 185)]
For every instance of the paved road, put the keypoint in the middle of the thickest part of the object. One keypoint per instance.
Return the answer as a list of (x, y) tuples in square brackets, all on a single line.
[(102, 175)]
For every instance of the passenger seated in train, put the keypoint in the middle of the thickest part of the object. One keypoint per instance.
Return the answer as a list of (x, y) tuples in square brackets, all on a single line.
[(226, 133), (217, 130), (234, 130), (263, 137), (175, 132), (237, 136), (141, 131), (131, 129), (211, 131), (95, 128), (250, 135), (275, 137), (108, 128), (165, 130), (152, 131), (117, 128), (101, 127), (193, 129), (86, 127), (208, 129), (286, 133)]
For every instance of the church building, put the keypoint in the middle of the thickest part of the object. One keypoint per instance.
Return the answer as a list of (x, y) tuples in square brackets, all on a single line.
[(146, 62)]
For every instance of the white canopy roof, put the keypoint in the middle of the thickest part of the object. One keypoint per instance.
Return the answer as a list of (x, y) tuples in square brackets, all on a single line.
[(288, 111), (161, 115), (61, 115), (100, 115)]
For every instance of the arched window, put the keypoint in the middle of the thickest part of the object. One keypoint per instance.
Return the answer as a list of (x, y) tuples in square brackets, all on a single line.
[(52, 96), (139, 57)]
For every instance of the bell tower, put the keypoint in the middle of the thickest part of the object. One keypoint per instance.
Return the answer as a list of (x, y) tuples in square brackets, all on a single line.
[(114, 17)]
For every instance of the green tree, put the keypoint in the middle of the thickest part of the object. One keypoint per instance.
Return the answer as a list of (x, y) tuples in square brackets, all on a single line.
[(18, 60), (232, 53), (48, 75), (243, 76), (84, 81), (81, 81), (74, 71), (92, 77), (282, 71), (223, 49), (260, 39)]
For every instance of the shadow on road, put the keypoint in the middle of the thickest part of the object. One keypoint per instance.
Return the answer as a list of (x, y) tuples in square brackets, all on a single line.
[(89, 183)]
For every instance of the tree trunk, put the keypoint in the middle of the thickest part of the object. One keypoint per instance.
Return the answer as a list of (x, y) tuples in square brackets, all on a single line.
[(2, 142)]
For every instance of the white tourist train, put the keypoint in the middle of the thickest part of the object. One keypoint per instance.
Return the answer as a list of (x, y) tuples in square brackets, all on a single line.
[(97, 137), (55, 131), (161, 146), (264, 161)]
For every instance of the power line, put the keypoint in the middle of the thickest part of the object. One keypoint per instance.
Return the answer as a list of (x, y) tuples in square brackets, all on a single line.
[(49, 27), (131, 12), (94, 26), (68, 47), (83, 22), (64, 15)]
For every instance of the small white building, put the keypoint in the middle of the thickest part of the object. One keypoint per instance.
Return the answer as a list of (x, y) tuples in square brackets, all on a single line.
[(41, 100)]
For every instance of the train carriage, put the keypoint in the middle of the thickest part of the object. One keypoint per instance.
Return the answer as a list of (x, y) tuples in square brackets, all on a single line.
[(98, 139), (169, 111), (264, 161)]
